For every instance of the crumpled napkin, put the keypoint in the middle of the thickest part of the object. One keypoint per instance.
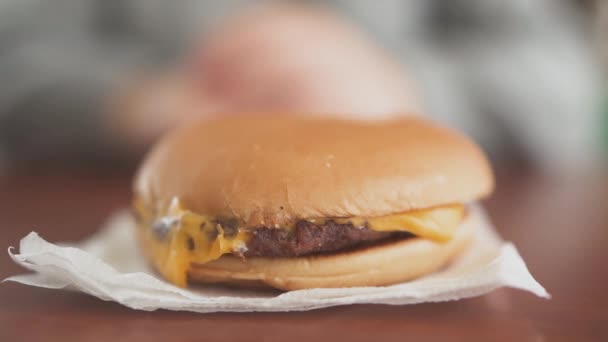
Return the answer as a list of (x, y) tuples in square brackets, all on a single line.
[(109, 266)]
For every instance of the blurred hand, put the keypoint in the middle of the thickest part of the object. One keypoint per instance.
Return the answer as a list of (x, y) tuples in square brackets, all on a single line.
[(273, 59)]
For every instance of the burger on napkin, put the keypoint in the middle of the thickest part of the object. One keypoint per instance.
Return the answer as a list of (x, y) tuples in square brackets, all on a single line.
[(294, 203)]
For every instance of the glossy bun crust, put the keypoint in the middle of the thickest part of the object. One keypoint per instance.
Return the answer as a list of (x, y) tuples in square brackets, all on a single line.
[(272, 170)]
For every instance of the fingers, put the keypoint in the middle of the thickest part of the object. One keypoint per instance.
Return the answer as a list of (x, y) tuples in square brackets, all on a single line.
[(286, 59), (300, 59)]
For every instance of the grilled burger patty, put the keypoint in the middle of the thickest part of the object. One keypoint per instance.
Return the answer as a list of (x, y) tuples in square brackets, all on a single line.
[(305, 238), (309, 238)]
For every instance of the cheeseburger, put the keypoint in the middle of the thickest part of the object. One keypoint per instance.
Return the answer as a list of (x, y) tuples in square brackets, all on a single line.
[(295, 203)]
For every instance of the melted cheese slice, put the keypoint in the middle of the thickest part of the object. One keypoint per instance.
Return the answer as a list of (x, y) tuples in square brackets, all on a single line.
[(184, 237), (437, 224)]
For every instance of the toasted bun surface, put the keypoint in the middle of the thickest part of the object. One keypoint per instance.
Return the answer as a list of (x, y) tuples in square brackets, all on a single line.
[(269, 171), (374, 266)]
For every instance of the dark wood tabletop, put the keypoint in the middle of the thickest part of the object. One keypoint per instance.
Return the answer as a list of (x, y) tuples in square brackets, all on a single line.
[(558, 223)]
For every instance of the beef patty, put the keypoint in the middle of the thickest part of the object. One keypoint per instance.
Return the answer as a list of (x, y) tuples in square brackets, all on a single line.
[(308, 238)]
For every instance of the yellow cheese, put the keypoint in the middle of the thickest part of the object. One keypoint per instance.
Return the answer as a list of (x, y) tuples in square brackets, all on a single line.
[(437, 224), (175, 238), (189, 238)]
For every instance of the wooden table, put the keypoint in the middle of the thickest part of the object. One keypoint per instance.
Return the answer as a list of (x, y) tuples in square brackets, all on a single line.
[(560, 226)]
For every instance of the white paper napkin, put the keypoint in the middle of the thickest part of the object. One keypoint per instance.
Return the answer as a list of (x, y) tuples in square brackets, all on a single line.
[(109, 266)]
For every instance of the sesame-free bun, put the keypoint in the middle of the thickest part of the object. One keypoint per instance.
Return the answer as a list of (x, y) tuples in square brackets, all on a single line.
[(271, 170), (378, 265)]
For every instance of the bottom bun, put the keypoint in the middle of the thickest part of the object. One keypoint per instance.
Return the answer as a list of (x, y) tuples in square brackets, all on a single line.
[(377, 265)]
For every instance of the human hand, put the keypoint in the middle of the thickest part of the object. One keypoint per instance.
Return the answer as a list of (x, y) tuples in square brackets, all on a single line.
[(282, 59)]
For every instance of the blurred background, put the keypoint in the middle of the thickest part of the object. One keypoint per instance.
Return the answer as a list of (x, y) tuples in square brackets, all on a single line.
[(87, 86), (92, 83)]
